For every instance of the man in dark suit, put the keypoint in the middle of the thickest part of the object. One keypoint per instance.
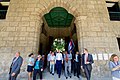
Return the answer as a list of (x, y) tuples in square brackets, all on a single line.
[(15, 66), (87, 61), (77, 64)]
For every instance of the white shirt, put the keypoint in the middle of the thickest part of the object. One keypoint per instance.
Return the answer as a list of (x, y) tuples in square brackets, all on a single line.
[(52, 58), (59, 56), (48, 57), (31, 61), (14, 60), (76, 57), (86, 57)]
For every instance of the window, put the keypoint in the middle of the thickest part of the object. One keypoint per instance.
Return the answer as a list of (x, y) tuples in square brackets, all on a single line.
[(118, 39), (3, 8), (114, 10)]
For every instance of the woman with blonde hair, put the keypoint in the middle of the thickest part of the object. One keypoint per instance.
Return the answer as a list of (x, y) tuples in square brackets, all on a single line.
[(114, 66), (38, 67)]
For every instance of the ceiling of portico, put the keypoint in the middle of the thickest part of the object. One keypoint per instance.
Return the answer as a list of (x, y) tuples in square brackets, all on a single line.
[(58, 17)]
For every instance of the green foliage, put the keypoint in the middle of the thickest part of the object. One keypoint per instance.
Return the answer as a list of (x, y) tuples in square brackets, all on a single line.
[(58, 44)]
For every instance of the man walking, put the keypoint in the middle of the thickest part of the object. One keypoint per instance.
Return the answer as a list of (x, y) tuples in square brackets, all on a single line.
[(87, 61), (77, 64), (52, 63), (48, 60), (67, 60), (15, 66), (59, 62)]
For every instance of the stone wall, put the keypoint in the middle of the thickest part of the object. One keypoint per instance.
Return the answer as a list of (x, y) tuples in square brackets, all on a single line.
[(95, 30), (20, 31)]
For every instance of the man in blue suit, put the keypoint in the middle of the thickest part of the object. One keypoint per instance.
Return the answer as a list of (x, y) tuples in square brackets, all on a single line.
[(15, 66), (87, 61)]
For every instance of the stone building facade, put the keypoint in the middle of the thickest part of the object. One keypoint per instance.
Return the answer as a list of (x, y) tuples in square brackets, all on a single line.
[(21, 30)]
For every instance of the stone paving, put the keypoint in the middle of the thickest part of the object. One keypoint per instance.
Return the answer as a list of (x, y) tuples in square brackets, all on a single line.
[(48, 76)]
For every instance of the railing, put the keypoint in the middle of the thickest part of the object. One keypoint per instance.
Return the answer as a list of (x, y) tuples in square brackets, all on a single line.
[(3, 14), (114, 16)]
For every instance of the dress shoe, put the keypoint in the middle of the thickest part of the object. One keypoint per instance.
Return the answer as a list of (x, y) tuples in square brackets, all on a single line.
[(59, 76), (66, 77)]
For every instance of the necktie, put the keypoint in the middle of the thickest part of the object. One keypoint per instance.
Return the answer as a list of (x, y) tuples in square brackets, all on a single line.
[(14, 60), (86, 58)]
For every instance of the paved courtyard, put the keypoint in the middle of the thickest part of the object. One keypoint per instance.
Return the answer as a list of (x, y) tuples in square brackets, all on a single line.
[(48, 76)]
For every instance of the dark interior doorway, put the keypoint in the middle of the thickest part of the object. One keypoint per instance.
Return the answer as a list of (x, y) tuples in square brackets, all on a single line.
[(118, 39)]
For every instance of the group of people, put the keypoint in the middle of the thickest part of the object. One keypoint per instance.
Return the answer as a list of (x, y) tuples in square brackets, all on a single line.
[(34, 66), (82, 62), (70, 61)]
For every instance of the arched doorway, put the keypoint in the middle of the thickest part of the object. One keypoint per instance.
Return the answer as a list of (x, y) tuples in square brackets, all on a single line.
[(57, 23)]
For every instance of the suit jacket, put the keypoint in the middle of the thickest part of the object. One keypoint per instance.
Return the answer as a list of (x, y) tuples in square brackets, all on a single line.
[(90, 59), (15, 67), (79, 58)]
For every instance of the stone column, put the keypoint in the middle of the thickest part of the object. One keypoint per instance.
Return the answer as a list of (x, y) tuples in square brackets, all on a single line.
[(37, 36), (77, 23), (79, 29)]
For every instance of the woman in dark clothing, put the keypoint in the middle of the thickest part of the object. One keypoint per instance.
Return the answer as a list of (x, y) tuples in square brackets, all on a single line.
[(38, 67)]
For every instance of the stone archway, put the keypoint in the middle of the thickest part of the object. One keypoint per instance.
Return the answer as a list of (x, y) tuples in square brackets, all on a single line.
[(46, 8)]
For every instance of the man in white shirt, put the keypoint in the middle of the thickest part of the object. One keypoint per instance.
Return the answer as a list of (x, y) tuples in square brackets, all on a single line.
[(59, 62)]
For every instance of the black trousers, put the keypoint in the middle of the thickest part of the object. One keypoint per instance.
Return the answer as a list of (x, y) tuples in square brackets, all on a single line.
[(76, 68), (35, 73), (12, 77)]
